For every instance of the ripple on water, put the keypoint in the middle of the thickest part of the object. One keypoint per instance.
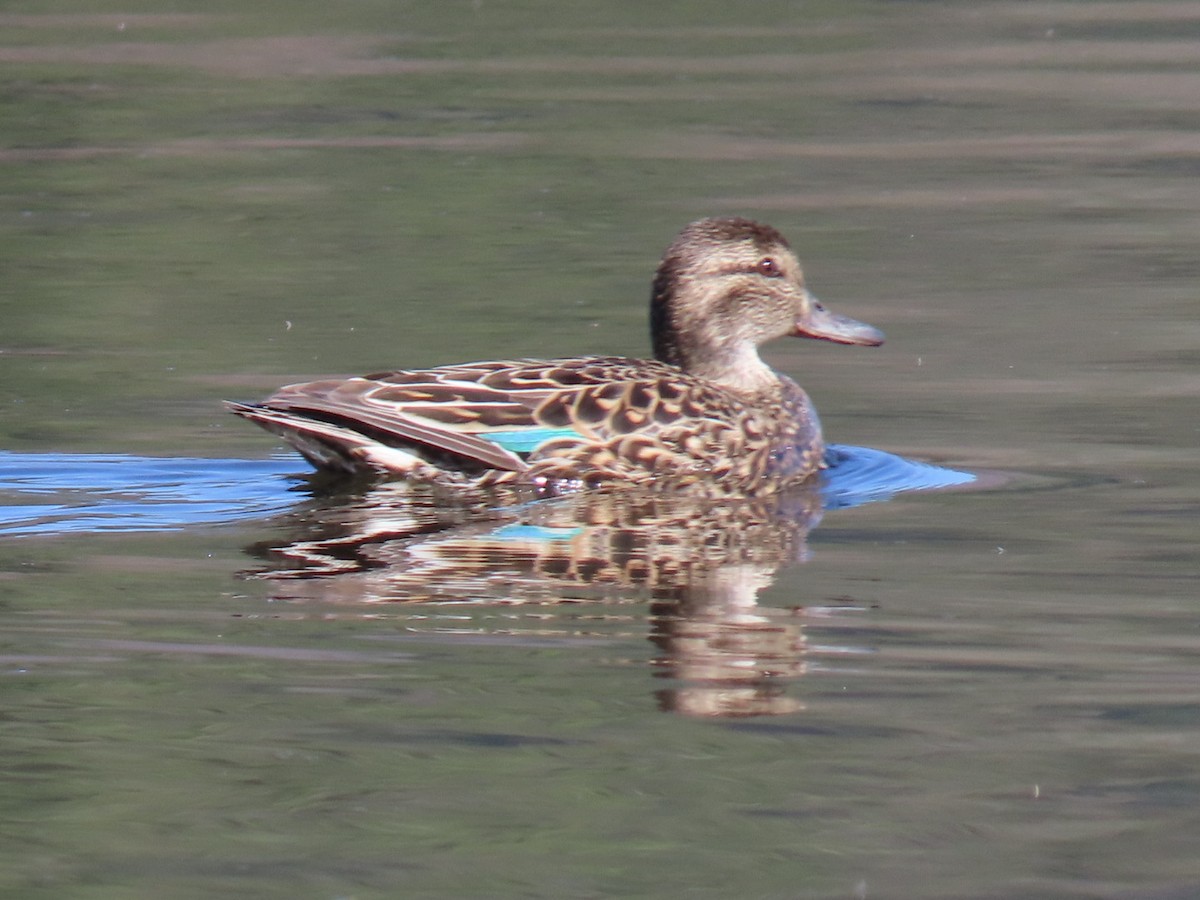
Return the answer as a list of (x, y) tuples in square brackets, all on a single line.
[(62, 493)]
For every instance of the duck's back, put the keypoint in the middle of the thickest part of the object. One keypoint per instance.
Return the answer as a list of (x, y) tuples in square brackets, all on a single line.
[(550, 423)]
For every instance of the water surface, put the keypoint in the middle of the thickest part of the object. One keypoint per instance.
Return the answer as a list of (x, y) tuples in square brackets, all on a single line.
[(968, 693)]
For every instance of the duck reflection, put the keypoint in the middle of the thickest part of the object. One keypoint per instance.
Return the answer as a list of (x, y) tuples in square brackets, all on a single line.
[(725, 655), (701, 564)]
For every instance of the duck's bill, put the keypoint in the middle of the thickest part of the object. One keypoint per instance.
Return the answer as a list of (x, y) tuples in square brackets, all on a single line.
[(826, 326)]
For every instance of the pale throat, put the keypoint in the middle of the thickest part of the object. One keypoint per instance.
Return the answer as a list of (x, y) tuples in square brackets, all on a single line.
[(740, 368)]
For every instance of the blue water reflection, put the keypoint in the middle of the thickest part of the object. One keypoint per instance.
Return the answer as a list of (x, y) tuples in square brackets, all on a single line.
[(61, 493), (858, 475)]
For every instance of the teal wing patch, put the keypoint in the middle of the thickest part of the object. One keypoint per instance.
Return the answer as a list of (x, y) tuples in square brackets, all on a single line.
[(525, 440), (535, 533)]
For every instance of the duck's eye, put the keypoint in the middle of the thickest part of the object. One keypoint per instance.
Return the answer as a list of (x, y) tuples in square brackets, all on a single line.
[(767, 266)]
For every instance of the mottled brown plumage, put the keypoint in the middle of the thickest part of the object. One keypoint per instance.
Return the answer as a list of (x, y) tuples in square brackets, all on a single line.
[(707, 414)]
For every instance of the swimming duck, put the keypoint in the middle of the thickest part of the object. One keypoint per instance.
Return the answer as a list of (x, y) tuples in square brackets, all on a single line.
[(706, 413)]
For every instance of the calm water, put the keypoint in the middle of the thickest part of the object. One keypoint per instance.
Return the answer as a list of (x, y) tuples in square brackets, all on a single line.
[(991, 692)]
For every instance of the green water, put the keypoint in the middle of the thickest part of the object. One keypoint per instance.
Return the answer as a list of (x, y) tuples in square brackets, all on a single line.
[(989, 693)]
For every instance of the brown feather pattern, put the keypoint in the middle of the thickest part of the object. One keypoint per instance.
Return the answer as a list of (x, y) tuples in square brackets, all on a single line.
[(707, 415)]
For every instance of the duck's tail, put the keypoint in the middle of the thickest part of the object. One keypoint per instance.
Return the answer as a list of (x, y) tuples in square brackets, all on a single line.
[(336, 448)]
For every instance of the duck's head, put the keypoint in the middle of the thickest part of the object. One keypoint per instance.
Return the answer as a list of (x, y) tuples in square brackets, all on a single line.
[(727, 285)]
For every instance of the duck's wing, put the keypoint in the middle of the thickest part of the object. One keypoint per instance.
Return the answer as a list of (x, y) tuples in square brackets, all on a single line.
[(354, 438), (613, 417), (363, 424), (467, 418)]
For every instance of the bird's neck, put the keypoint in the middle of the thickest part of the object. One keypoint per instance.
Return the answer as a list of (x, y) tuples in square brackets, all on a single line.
[(738, 368)]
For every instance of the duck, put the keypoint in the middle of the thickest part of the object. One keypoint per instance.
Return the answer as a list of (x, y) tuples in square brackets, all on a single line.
[(705, 414)]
